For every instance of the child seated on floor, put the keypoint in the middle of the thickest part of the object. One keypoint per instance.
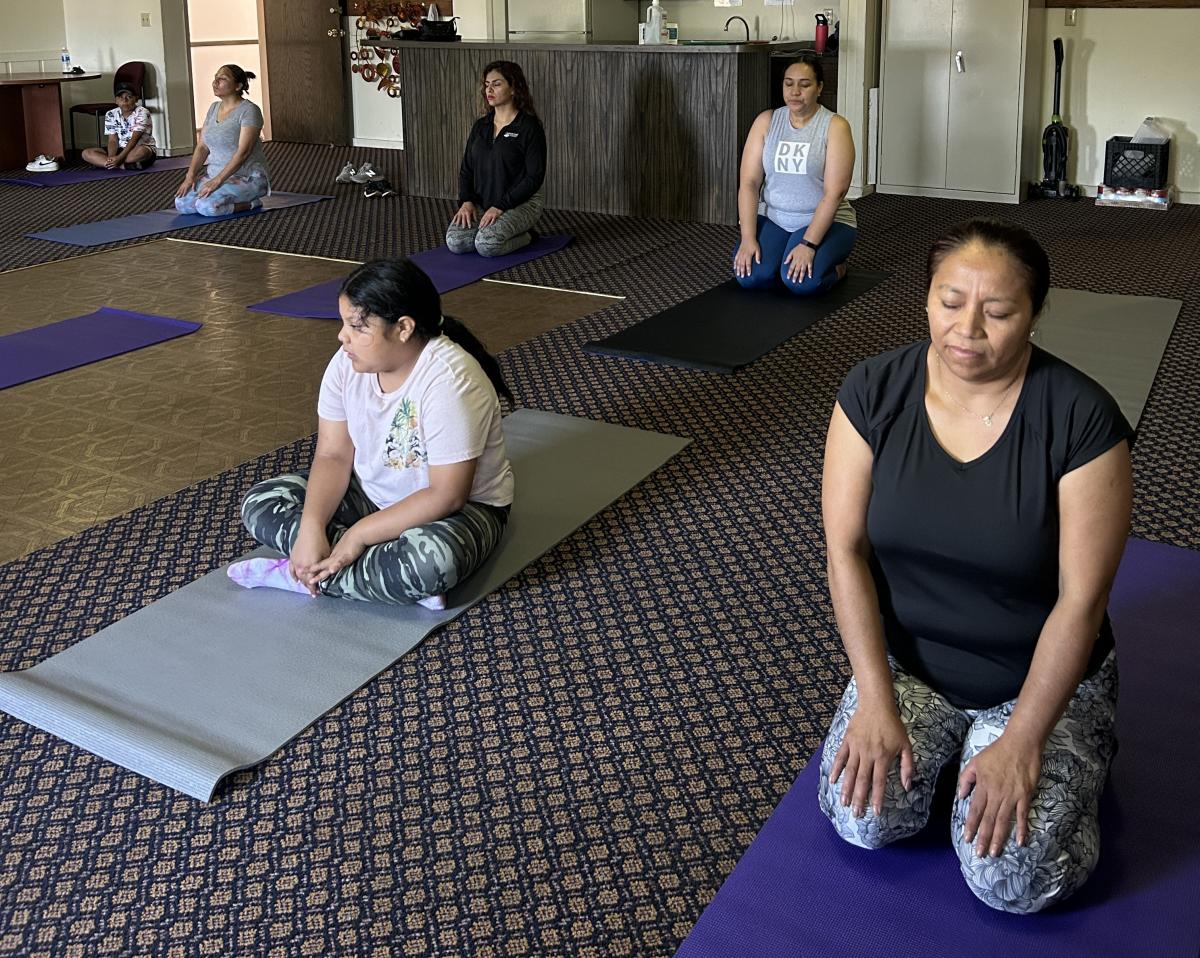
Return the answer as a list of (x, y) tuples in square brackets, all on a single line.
[(130, 135), (410, 484)]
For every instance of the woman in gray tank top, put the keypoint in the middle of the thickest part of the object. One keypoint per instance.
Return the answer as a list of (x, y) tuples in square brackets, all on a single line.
[(796, 224), (230, 147)]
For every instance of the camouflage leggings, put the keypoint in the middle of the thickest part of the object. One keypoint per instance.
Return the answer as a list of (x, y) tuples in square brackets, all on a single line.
[(425, 560)]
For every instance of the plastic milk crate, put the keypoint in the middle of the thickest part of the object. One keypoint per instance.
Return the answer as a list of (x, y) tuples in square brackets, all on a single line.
[(1136, 166)]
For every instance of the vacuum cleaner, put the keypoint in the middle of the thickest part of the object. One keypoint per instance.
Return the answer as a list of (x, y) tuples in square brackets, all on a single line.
[(1054, 183)]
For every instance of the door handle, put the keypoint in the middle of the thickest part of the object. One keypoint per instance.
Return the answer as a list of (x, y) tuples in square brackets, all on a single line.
[(335, 33), (958, 62), (334, 10)]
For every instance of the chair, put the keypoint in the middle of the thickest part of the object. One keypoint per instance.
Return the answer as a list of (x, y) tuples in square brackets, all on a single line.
[(133, 73)]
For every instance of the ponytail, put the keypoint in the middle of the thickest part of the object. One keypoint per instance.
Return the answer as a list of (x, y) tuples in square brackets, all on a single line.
[(456, 332), (241, 78)]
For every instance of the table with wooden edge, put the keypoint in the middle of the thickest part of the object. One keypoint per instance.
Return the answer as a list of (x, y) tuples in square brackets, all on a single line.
[(31, 115)]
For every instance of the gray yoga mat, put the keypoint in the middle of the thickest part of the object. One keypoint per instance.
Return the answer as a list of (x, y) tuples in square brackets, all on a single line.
[(214, 678), (1117, 340)]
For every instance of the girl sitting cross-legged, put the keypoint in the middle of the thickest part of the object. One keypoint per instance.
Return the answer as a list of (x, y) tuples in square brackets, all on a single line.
[(410, 486)]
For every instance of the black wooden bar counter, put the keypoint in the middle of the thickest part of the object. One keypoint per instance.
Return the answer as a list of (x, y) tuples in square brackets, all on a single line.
[(640, 130)]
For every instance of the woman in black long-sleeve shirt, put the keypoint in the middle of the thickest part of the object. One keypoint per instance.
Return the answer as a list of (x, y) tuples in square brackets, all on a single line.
[(504, 164)]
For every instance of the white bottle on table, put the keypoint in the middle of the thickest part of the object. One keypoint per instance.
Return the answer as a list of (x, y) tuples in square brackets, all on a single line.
[(65, 59), (656, 29)]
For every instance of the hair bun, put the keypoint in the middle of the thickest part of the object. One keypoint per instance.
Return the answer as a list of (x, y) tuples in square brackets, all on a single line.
[(252, 76)]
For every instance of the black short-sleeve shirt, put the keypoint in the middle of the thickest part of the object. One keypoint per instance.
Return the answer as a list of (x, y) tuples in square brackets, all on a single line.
[(965, 555)]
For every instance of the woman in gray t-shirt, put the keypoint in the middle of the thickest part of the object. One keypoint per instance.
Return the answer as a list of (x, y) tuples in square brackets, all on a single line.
[(796, 168), (230, 147)]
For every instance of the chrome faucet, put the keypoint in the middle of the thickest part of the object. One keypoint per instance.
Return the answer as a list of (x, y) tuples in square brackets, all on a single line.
[(742, 22)]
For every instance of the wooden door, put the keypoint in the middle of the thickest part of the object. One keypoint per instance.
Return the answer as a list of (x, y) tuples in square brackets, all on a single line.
[(915, 91), (307, 100), (983, 133)]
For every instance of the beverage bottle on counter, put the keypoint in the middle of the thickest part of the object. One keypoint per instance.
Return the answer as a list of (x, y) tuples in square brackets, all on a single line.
[(65, 60), (822, 34), (655, 28)]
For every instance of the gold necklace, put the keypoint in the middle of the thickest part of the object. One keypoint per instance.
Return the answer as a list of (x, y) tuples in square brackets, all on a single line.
[(987, 420)]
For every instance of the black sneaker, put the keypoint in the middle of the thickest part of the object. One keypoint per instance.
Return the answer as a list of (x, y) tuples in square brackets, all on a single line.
[(379, 187)]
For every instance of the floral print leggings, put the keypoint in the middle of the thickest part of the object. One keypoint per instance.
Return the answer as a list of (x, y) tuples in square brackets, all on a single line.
[(1063, 844), (425, 560), (222, 200)]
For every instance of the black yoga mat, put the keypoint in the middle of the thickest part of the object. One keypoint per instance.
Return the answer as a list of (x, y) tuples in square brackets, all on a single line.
[(727, 327)]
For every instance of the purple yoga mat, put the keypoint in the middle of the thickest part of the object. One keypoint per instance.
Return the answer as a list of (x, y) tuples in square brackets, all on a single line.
[(34, 353), (799, 890), (162, 221), (88, 173), (447, 270)]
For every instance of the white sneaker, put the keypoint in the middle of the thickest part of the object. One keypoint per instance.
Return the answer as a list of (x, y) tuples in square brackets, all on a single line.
[(347, 174), (43, 164), (364, 174)]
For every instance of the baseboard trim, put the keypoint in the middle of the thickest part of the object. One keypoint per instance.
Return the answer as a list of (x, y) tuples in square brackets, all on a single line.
[(378, 144)]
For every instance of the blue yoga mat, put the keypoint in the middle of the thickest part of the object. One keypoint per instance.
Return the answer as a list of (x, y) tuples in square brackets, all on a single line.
[(89, 173), (800, 890), (34, 353), (160, 221), (447, 270)]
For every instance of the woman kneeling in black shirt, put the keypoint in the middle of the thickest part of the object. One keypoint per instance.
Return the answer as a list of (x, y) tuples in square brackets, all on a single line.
[(502, 170), (976, 501)]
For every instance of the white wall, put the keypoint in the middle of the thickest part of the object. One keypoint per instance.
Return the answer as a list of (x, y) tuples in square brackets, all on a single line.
[(1120, 66), (473, 22), (700, 20), (697, 19), (858, 71), (376, 118), (30, 33), (103, 34)]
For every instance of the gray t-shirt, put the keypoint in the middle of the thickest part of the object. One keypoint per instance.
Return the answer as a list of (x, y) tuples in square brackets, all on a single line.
[(222, 137), (794, 166)]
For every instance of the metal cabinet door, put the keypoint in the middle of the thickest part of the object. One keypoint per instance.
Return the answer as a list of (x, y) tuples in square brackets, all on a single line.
[(985, 95), (915, 91)]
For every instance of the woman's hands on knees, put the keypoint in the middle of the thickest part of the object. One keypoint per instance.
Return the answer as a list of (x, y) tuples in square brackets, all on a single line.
[(310, 549), (1001, 780), (465, 217), (800, 263), (493, 213), (874, 738), (186, 186), (208, 187), (748, 254)]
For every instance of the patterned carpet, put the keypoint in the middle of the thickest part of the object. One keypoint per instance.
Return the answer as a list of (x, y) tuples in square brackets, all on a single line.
[(574, 766)]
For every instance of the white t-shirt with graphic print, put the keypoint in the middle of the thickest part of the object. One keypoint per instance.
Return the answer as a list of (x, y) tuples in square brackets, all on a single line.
[(446, 412)]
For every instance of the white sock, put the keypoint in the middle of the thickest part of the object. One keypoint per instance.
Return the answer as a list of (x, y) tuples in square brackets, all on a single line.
[(265, 573), (435, 602)]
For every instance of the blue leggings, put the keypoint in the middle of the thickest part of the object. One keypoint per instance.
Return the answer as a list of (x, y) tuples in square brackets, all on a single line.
[(236, 189), (775, 243)]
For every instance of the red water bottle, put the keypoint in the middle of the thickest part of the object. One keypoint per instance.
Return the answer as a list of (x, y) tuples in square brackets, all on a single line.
[(822, 33)]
